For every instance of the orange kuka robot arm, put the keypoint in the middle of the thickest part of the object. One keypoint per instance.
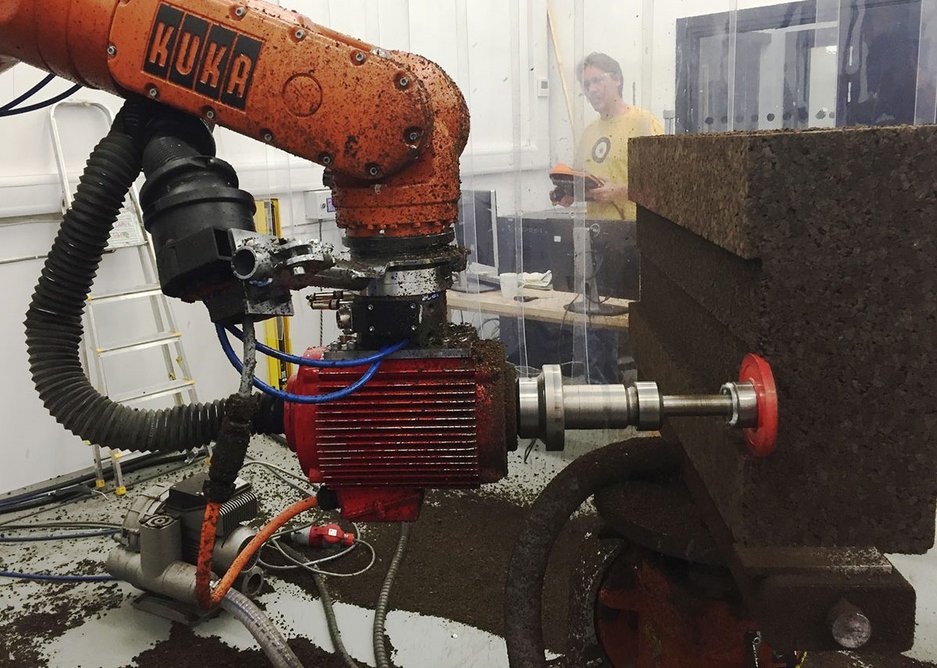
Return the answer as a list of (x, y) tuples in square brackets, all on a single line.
[(265, 72)]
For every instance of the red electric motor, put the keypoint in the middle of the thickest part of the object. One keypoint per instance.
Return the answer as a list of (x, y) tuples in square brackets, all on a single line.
[(435, 417)]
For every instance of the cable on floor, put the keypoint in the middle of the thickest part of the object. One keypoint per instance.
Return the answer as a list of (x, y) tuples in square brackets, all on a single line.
[(383, 601), (56, 578), (58, 536), (327, 607), (311, 565)]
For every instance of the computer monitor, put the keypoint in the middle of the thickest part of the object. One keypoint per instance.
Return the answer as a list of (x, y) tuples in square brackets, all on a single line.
[(477, 230), (587, 262), (548, 241)]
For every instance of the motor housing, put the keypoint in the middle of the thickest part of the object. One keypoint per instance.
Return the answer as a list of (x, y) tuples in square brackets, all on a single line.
[(441, 417)]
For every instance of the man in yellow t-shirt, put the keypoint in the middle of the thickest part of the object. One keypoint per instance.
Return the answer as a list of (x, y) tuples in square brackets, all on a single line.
[(603, 147)]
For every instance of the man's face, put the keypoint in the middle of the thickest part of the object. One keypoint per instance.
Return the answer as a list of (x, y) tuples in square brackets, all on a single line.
[(600, 87)]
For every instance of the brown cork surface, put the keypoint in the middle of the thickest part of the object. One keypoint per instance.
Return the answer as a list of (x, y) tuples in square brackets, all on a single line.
[(747, 191), (818, 251)]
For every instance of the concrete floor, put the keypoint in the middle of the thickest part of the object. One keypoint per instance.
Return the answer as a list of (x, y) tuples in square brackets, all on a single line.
[(96, 624)]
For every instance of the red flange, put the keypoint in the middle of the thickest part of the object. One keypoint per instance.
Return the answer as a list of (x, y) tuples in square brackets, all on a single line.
[(762, 439)]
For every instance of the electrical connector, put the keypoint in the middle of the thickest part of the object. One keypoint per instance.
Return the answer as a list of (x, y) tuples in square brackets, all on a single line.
[(322, 536)]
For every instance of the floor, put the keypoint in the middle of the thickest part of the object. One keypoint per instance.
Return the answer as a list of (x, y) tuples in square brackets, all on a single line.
[(455, 563), (446, 602)]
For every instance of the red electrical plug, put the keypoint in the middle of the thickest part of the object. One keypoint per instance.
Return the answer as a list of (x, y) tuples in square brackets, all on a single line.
[(322, 536)]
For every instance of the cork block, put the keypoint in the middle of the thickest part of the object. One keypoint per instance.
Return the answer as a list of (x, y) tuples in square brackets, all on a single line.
[(817, 250)]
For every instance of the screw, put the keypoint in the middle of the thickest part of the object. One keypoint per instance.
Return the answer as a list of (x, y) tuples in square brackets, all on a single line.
[(359, 57), (374, 170), (153, 92), (111, 50), (371, 328), (299, 34), (210, 114), (850, 627), (403, 82), (268, 136), (412, 307), (240, 11), (325, 159), (413, 135), (412, 328)]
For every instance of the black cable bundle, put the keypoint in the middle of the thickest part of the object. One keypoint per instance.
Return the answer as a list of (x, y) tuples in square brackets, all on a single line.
[(53, 321)]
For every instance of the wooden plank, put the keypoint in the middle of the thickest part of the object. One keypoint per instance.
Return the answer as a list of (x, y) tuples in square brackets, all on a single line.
[(546, 305)]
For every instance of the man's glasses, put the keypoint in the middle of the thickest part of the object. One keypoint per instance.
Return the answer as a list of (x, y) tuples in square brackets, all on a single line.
[(594, 81)]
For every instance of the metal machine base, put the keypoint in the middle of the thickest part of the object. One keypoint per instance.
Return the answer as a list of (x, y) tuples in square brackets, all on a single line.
[(174, 611)]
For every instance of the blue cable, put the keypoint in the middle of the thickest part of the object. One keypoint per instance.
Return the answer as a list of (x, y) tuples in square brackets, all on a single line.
[(296, 398), (40, 105), (305, 361), (61, 536), (51, 494), (18, 500), (57, 578), (28, 94)]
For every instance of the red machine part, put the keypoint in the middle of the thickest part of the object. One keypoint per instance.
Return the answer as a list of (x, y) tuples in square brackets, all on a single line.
[(657, 612), (434, 421), (323, 536), (762, 439)]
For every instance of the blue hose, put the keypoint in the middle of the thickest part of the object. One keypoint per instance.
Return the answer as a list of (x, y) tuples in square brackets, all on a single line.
[(23, 498), (58, 536), (40, 105), (305, 361), (28, 94), (304, 398), (57, 578)]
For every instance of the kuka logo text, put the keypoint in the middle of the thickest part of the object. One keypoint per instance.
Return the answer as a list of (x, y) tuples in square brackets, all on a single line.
[(210, 59)]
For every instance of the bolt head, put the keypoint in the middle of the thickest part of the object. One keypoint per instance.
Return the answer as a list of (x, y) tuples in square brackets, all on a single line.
[(268, 137), (359, 57), (240, 11), (371, 328), (403, 82), (210, 114), (852, 630), (412, 328), (370, 307), (153, 92), (299, 34), (111, 50)]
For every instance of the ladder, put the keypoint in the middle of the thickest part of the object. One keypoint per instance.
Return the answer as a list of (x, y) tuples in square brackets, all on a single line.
[(128, 232)]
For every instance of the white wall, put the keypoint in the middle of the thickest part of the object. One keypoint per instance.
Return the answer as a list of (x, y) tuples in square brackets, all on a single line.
[(495, 51)]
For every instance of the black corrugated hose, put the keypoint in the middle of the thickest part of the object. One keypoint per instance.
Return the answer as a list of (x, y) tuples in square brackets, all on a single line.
[(523, 603), (54, 327)]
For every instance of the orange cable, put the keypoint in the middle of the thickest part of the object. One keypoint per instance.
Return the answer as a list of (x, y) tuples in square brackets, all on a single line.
[(206, 546), (208, 598)]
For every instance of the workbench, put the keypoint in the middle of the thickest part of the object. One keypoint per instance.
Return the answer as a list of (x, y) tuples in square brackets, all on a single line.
[(544, 305)]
